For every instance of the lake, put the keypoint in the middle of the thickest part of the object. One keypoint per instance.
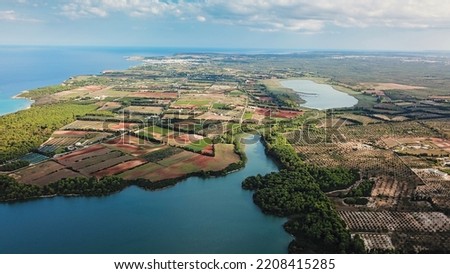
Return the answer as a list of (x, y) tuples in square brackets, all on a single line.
[(320, 96), (213, 215)]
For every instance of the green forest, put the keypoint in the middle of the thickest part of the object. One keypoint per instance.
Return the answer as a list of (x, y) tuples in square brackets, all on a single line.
[(41, 92), (23, 131), (297, 192), (10, 190)]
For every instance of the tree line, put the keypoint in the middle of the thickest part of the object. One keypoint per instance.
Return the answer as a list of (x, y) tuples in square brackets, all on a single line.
[(297, 192), (11, 190)]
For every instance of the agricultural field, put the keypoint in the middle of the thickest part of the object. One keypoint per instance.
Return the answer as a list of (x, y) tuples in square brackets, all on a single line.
[(276, 113), (44, 173), (119, 168), (62, 139), (402, 160), (386, 230), (177, 163), (432, 147), (93, 159), (157, 132), (362, 119), (133, 145), (109, 106), (33, 158), (192, 103), (144, 110), (95, 92), (99, 126), (153, 95)]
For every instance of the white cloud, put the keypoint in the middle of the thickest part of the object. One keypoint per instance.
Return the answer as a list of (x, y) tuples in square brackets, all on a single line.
[(102, 8), (279, 15), (8, 15), (13, 16), (201, 18)]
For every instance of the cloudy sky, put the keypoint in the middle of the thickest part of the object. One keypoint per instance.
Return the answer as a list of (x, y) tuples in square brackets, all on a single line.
[(289, 24)]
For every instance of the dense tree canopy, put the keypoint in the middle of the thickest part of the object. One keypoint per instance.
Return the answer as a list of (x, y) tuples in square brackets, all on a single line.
[(10, 190), (25, 130)]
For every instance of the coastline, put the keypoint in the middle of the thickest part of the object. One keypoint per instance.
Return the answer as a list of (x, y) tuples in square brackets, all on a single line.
[(17, 97)]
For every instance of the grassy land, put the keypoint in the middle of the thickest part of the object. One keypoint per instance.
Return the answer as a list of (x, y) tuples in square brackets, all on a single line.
[(219, 105), (199, 145), (158, 130), (248, 115), (197, 103), (235, 93)]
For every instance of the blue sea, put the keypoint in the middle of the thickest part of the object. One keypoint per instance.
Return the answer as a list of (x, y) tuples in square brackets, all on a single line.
[(23, 68)]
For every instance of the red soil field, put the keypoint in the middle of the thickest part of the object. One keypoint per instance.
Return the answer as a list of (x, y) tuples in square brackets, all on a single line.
[(208, 150), (28, 175), (56, 176), (441, 143), (120, 168), (93, 88), (128, 148)]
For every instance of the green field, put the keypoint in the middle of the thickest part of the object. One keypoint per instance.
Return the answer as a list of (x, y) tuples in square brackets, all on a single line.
[(158, 130), (219, 105), (199, 145), (192, 102), (235, 93), (248, 115)]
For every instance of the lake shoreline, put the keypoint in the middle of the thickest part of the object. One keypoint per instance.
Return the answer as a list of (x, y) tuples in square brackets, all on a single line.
[(315, 93)]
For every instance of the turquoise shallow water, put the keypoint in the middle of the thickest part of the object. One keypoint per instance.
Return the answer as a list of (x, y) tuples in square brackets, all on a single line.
[(320, 96), (197, 215)]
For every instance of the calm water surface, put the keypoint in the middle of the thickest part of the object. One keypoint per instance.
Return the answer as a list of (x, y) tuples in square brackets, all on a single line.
[(196, 216), (320, 96)]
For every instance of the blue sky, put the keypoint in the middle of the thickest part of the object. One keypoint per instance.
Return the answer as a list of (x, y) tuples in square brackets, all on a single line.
[(299, 24)]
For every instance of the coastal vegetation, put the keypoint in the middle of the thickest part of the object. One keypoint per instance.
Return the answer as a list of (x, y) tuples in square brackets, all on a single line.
[(11, 190), (44, 91), (26, 130)]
